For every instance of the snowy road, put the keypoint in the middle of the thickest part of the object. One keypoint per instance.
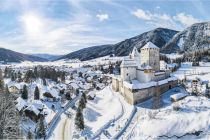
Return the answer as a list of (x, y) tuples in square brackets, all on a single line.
[(62, 128)]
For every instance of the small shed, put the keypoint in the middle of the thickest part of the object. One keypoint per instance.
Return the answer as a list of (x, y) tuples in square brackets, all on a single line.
[(178, 96)]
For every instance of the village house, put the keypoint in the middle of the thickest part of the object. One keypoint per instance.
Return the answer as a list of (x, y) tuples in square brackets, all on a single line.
[(141, 76), (15, 87)]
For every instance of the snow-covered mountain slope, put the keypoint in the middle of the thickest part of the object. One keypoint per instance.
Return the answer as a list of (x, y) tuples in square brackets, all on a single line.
[(12, 56), (195, 37), (159, 37), (49, 57)]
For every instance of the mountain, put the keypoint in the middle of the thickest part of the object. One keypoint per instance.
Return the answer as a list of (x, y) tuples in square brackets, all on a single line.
[(12, 56), (90, 53), (195, 37), (159, 37), (49, 57)]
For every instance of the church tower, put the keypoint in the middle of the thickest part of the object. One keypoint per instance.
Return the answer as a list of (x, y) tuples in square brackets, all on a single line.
[(150, 56)]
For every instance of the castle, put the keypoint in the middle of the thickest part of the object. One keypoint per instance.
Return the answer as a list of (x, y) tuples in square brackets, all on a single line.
[(141, 76)]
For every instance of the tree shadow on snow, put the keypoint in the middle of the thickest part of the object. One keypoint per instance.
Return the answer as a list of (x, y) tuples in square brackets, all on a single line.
[(91, 115)]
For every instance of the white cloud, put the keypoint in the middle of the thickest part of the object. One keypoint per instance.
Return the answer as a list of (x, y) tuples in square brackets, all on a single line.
[(141, 14), (102, 17), (157, 7), (57, 37), (186, 19), (156, 19)]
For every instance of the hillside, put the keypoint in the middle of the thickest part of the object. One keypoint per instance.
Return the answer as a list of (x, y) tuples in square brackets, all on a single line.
[(12, 56), (159, 37), (195, 37), (49, 57)]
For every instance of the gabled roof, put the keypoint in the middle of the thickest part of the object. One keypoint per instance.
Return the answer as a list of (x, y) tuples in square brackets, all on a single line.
[(150, 45), (128, 62)]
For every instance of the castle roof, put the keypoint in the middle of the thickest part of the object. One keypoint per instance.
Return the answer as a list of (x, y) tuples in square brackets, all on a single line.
[(128, 62), (150, 45)]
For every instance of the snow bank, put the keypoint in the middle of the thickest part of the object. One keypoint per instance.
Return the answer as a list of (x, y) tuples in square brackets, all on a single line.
[(193, 116)]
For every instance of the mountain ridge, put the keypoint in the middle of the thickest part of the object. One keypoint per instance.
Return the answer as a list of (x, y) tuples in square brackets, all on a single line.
[(158, 36), (7, 55)]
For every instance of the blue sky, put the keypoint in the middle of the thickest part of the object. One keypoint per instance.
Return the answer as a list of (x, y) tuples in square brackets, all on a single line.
[(63, 26)]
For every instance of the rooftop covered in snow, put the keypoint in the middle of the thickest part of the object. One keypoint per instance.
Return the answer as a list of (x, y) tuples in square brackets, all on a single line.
[(150, 45)]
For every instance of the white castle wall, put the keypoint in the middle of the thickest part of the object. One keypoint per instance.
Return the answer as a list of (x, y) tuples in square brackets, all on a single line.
[(128, 73)]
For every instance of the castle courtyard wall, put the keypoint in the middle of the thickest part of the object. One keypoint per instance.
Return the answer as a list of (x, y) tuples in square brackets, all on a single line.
[(115, 84), (140, 95)]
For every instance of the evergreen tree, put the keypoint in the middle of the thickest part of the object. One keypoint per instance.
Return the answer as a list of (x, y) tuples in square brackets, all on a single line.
[(1, 81), (63, 77), (41, 130), (9, 118), (44, 82), (36, 93), (68, 96), (25, 92), (77, 91), (36, 72), (6, 72), (79, 120), (84, 97), (82, 103), (19, 76), (7, 89), (30, 135), (13, 77)]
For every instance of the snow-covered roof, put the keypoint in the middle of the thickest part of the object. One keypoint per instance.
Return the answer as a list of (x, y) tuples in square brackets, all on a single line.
[(147, 67), (150, 45), (33, 109), (14, 84), (74, 85), (52, 91), (128, 62), (178, 96), (20, 103), (138, 85), (38, 104), (92, 94)]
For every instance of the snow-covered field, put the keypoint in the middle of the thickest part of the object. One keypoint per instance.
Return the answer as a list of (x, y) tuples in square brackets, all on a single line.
[(193, 116), (190, 121), (107, 115), (108, 111), (191, 72)]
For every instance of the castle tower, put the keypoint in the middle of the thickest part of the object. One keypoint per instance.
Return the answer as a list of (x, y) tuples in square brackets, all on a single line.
[(135, 55), (150, 56), (128, 69)]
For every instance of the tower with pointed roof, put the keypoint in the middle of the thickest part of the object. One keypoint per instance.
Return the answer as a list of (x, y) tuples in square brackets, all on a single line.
[(136, 56), (150, 56)]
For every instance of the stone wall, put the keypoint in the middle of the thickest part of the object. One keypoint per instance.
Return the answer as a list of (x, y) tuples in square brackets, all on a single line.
[(138, 96), (128, 73), (115, 84)]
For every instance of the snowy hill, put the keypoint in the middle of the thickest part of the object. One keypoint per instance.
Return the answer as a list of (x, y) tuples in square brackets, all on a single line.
[(159, 37), (12, 56), (49, 57), (195, 37)]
